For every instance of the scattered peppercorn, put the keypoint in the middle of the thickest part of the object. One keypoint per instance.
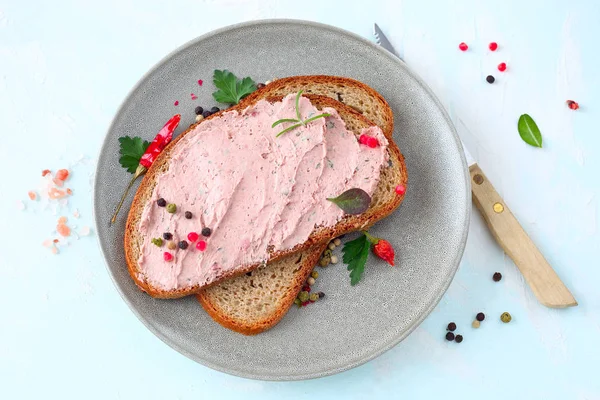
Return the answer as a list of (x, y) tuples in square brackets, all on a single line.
[(171, 245), (321, 295), (206, 113), (206, 232), (573, 105), (201, 245), (497, 276), (183, 245), (298, 302), (458, 338), (490, 79), (313, 297), (337, 241), (324, 261), (449, 336), (476, 324), (193, 236), (314, 274), (463, 46), (305, 303), (505, 317), (311, 281), (157, 241), (198, 110), (334, 259), (171, 208), (303, 296), (260, 85), (327, 253), (167, 256), (480, 316), (331, 246), (199, 118), (451, 327), (306, 288), (167, 236), (502, 67), (493, 46), (161, 202), (215, 110)]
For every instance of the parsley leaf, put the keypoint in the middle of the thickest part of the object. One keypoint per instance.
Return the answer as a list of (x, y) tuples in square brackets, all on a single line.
[(231, 89), (355, 255), (132, 149)]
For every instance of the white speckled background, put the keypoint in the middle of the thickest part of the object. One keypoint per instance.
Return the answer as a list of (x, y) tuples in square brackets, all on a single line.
[(64, 69)]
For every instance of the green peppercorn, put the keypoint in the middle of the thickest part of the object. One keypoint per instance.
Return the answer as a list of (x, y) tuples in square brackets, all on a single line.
[(505, 317), (171, 208), (313, 297), (303, 296), (298, 302), (324, 261), (157, 241), (314, 274), (327, 253)]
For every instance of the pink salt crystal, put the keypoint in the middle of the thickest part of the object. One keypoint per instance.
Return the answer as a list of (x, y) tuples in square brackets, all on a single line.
[(63, 230), (55, 193), (32, 195), (62, 220), (54, 250), (47, 243), (84, 231)]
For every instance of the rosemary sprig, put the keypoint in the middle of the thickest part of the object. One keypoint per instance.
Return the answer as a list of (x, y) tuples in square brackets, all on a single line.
[(299, 121)]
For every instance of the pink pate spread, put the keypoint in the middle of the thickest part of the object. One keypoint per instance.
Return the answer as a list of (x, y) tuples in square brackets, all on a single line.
[(252, 189)]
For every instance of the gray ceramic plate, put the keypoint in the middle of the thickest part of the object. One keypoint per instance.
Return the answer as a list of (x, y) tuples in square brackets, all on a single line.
[(353, 324)]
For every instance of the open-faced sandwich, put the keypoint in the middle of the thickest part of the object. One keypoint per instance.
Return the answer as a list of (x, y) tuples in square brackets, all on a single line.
[(239, 208)]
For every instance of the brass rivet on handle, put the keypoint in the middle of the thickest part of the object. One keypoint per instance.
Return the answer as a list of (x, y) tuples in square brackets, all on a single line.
[(498, 208), (478, 179)]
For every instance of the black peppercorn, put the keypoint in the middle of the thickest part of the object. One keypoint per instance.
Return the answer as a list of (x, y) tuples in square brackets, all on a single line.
[(206, 232), (458, 338), (214, 110), (167, 236), (451, 327), (206, 113), (198, 110), (490, 79), (188, 215), (183, 245), (449, 336), (260, 85), (497, 276), (480, 316), (321, 295), (161, 202)]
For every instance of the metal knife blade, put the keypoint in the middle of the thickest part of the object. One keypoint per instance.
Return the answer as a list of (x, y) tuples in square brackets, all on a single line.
[(383, 41)]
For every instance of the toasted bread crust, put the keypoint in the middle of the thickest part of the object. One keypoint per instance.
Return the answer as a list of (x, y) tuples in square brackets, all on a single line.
[(310, 258), (133, 239)]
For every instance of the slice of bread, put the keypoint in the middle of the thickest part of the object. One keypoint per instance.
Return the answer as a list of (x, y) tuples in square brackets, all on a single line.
[(253, 303), (385, 200)]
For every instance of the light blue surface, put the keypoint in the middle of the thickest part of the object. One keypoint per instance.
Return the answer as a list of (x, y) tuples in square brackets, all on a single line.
[(66, 66)]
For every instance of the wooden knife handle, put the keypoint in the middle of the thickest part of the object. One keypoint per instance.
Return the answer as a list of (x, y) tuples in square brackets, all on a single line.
[(540, 276)]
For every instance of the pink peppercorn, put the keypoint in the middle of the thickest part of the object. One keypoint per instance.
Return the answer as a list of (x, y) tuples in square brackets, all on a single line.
[(372, 142), (193, 236), (493, 46), (363, 139), (400, 189), (306, 288), (176, 103), (573, 105), (463, 46), (167, 256), (502, 67), (201, 245), (305, 303)]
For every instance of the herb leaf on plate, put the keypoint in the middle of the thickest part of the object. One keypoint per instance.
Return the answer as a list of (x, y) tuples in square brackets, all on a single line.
[(355, 255), (353, 201), (529, 131), (131, 150), (231, 88)]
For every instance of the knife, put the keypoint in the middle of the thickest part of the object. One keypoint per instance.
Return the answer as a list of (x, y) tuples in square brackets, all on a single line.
[(510, 235)]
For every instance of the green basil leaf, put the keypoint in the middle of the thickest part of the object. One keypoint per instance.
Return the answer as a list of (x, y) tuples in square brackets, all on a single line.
[(529, 131)]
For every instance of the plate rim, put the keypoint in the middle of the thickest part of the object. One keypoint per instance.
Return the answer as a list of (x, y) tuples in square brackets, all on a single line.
[(313, 375)]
